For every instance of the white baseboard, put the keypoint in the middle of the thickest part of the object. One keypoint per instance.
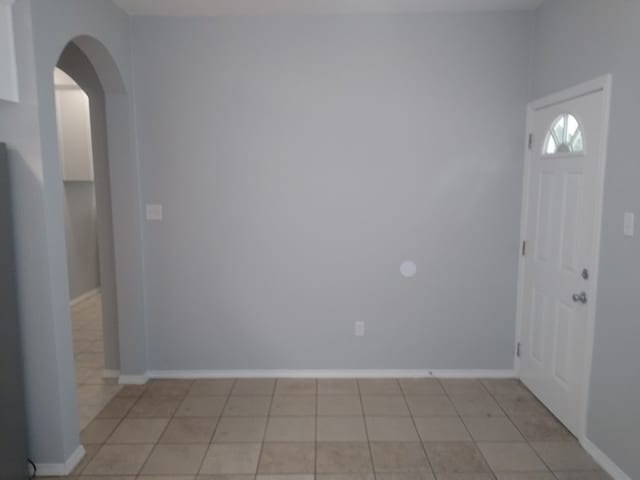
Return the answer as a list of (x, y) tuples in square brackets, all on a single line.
[(106, 373), (132, 379), (331, 374), (84, 296), (604, 461), (61, 469)]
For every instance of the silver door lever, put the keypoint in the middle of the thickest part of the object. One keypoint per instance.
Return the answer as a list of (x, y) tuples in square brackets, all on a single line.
[(580, 297)]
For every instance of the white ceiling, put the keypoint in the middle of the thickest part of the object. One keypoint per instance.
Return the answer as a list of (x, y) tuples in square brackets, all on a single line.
[(315, 7)]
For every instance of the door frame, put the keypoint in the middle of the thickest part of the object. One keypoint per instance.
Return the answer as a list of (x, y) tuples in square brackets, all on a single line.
[(600, 84)]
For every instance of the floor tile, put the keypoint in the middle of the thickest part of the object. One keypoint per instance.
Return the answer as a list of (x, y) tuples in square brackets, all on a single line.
[(343, 457), (476, 404), (522, 405), (295, 386), (240, 429), (139, 430), (405, 476), (431, 406), (247, 406), (211, 387), (341, 429), (542, 428), (336, 405), (162, 407), (391, 429), (98, 430), (287, 458), (595, 475), (340, 386), (421, 386), (231, 458), (131, 391), (91, 450), (492, 429), (458, 386), (564, 456), (504, 386), (189, 430), (449, 458), (528, 476), (293, 405), (254, 386), (511, 457), (379, 386), (291, 429), (174, 459), (441, 429), (299, 476), (399, 457), (118, 460), (384, 405), (194, 406), (168, 388)]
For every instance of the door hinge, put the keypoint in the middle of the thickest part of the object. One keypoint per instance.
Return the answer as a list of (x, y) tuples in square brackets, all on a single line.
[(524, 248), (518, 349), (530, 144)]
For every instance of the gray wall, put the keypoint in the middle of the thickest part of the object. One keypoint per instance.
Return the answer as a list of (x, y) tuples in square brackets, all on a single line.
[(42, 30), (81, 237), (300, 160), (576, 40)]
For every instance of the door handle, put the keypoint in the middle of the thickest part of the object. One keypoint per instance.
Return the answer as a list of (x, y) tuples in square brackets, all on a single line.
[(580, 297)]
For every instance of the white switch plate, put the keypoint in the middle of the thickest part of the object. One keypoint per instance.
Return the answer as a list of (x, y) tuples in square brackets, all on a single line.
[(154, 212), (629, 224), (359, 329)]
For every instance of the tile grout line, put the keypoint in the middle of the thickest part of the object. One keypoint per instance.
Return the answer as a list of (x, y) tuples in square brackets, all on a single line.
[(366, 431), (415, 426)]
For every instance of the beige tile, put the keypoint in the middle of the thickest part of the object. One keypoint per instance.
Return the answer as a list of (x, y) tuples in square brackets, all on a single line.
[(91, 450), (379, 386), (528, 476), (295, 386), (542, 428), (564, 456), (117, 407), (421, 386), (293, 405), (492, 429), (343, 457), (287, 458), (384, 405), (99, 477), (231, 458), (338, 386), (335, 405), (247, 406), (193, 406), (441, 429), (168, 388), (464, 476), (174, 459), (157, 477), (431, 406), (454, 458), (118, 460), (511, 457), (405, 476), (455, 386), (523, 405), (211, 387), (593, 475), (139, 430), (399, 457), (254, 386), (341, 429), (476, 405), (240, 429), (148, 407), (98, 430), (299, 476), (291, 429), (131, 391), (189, 430), (391, 429), (350, 476), (228, 476), (505, 386)]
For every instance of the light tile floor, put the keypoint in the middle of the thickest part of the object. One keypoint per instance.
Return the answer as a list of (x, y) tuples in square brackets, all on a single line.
[(373, 429), (92, 391)]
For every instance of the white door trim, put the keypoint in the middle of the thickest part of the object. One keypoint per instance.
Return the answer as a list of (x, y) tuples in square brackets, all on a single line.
[(600, 84)]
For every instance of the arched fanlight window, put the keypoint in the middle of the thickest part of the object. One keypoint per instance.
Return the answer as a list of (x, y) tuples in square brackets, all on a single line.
[(564, 136)]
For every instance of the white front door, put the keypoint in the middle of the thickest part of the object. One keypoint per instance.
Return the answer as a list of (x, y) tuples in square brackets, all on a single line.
[(561, 228)]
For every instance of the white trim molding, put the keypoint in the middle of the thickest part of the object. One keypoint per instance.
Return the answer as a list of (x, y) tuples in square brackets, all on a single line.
[(106, 373), (84, 296), (604, 461), (133, 379), (61, 469), (177, 374)]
